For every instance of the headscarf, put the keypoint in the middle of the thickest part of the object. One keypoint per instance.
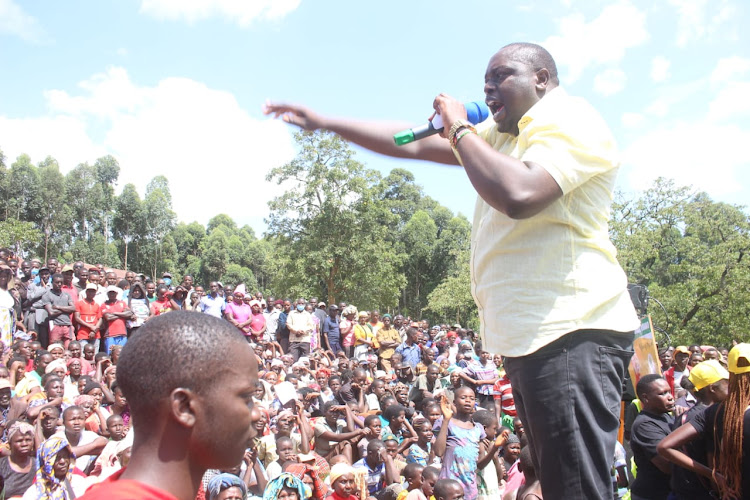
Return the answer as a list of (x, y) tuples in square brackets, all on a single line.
[(279, 416), (338, 470), (319, 487), (48, 487), (224, 481), (20, 426), (55, 346), (57, 363), (285, 479), (82, 399)]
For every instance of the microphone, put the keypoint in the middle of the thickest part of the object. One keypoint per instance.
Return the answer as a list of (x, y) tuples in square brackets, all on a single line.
[(476, 112)]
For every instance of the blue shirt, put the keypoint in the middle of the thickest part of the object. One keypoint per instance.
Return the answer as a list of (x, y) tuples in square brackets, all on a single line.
[(412, 354), (332, 329), (375, 477), (213, 306)]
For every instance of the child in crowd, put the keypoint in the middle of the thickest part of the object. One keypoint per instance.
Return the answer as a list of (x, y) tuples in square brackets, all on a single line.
[(458, 442), (490, 468), (421, 452), (412, 480)]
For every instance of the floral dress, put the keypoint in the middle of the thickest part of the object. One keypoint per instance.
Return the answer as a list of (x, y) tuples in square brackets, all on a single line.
[(461, 455)]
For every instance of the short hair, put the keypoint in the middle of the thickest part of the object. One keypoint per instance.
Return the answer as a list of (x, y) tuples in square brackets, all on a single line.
[(369, 419), (39, 354), (412, 470), (535, 56), (328, 405), (430, 472), (484, 417), (112, 418), (526, 460), (181, 347), (644, 384), (391, 413), (71, 409), (374, 444), (283, 439), (443, 485)]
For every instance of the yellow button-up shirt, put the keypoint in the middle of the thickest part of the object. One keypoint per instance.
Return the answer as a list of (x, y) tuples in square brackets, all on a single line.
[(537, 279)]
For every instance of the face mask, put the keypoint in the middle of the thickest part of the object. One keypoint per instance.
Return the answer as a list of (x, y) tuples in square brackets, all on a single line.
[(300, 307), (167, 281)]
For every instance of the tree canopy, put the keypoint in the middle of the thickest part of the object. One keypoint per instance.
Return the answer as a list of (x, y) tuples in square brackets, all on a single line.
[(343, 232)]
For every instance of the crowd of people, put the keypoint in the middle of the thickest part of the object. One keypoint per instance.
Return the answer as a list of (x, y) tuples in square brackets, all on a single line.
[(352, 403)]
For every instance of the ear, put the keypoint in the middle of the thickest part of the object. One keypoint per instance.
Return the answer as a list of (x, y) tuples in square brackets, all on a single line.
[(542, 79), (182, 404)]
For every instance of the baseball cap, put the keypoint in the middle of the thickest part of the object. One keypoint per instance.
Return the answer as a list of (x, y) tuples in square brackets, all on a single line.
[(115, 289), (4, 383), (92, 286), (67, 267), (682, 349), (739, 359), (706, 373)]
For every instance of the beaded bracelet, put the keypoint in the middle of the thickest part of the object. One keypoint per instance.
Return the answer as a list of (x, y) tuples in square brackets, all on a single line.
[(457, 125), (462, 132)]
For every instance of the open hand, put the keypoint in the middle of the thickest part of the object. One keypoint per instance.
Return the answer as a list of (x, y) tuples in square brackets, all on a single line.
[(296, 115)]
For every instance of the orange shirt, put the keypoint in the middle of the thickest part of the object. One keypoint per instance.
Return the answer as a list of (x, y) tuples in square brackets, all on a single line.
[(90, 312)]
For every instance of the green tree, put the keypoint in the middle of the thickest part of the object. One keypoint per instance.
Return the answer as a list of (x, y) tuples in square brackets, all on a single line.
[(54, 214), (159, 221), (23, 201), (18, 235), (691, 252), (326, 227), (128, 222)]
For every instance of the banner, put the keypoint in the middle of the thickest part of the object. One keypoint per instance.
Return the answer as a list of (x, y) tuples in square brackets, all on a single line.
[(645, 359)]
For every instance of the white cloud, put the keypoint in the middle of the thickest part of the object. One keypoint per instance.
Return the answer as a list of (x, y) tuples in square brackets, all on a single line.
[(631, 120), (700, 19), (122, 52), (214, 153), (602, 41), (14, 21), (729, 68), (730, 102), (610, 81), (243, 12), (660, 68), (698, 154)]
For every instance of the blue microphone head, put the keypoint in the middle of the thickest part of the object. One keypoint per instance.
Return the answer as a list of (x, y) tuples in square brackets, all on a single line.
[(476, 111)]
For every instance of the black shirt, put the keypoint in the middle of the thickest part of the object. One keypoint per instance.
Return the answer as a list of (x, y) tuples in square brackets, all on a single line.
[(648, 430), (16, 483), (686, 484), (714, 417)]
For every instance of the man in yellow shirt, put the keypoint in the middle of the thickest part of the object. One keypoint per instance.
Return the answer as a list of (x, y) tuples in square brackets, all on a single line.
[(551, 296)]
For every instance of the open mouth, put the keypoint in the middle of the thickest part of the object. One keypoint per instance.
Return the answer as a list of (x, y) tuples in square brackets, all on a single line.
[(496, 107)]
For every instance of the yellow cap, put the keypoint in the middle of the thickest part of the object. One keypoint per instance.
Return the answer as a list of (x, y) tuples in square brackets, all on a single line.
[(706, 373), (739, 359), (682, 349)]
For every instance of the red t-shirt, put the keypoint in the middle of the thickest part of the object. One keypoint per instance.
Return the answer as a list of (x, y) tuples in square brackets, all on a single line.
[(160, 307), (90, 313), (115, 328), (114, 488)]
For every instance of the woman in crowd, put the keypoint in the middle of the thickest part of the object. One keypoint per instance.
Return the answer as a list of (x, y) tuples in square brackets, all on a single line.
[(725, 430), (54, 475), (139, 305), (226, 486), (237, 312), (17, 469)]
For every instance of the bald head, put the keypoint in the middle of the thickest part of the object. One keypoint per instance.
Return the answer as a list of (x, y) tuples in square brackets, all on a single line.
[(535, 56)]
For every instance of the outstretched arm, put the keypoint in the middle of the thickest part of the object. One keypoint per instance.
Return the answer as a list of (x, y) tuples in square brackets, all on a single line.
[(372, 135)]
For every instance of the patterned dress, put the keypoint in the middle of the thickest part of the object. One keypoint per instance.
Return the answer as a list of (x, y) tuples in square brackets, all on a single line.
[(461, 455)]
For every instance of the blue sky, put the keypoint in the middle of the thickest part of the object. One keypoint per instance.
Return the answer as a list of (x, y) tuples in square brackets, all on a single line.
[(175, 87)]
